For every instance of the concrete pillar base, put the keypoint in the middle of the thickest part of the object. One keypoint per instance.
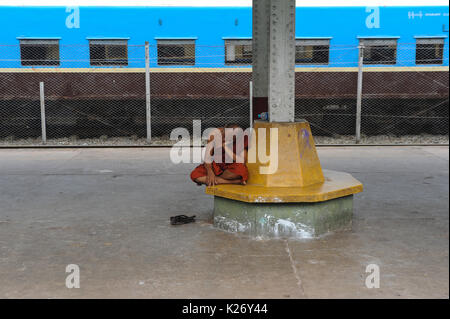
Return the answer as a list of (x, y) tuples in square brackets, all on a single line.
[(283, 220)]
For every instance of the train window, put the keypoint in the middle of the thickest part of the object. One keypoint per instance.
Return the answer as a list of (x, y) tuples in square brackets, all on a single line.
[(238, 51), (176, 52), (312, 51), (430, 51), (108, 52), (379, 51), (39, 52)]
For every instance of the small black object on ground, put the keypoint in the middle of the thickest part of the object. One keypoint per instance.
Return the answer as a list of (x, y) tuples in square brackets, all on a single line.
[(181, 220)]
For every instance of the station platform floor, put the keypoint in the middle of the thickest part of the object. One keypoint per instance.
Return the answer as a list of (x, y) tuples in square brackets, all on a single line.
[(107, 211)]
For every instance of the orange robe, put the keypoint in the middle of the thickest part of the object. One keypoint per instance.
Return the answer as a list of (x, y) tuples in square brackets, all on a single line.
[(218, 168)]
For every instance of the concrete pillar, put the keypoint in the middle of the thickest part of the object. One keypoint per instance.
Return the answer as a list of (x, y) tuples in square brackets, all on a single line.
[(274, 59), (282, 61), (260, 50)]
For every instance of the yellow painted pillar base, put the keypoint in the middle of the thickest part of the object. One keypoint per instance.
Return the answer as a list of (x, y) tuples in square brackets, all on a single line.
[(296, 161), (292, 174)]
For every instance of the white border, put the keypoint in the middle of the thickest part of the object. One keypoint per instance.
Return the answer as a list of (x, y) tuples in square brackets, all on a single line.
[(219, 3)]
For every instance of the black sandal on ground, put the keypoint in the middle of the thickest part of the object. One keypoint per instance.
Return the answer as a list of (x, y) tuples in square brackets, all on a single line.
[(181, 220)]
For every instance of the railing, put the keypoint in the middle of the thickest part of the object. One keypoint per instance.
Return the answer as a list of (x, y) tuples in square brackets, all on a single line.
[(85, 98)]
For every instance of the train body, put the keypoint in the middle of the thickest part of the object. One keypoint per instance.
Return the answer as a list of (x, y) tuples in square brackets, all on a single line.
[(92, 61)]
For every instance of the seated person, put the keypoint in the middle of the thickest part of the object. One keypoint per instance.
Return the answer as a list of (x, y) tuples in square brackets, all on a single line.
[(211, 172)]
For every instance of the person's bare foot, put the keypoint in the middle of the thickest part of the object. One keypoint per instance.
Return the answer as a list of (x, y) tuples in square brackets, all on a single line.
[(220, 180)]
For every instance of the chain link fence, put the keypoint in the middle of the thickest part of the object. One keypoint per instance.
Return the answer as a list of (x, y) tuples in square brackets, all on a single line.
[(192, 83), (84, 100), (326, 95), (112, 93), (412, 101)]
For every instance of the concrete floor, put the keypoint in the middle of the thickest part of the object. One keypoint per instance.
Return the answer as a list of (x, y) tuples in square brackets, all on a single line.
[(107, 210)]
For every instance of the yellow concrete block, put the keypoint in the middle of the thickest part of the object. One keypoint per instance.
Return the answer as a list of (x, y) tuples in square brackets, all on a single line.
[(335, 185), (298, 162), (299, 176)]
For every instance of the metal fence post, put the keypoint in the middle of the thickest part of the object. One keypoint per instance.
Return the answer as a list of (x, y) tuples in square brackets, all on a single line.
[(43, 124), (359, 94), (251, 103), (147, 92)]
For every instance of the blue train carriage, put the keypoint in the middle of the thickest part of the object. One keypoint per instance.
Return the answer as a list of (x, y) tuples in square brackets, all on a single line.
[(92, 61)]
